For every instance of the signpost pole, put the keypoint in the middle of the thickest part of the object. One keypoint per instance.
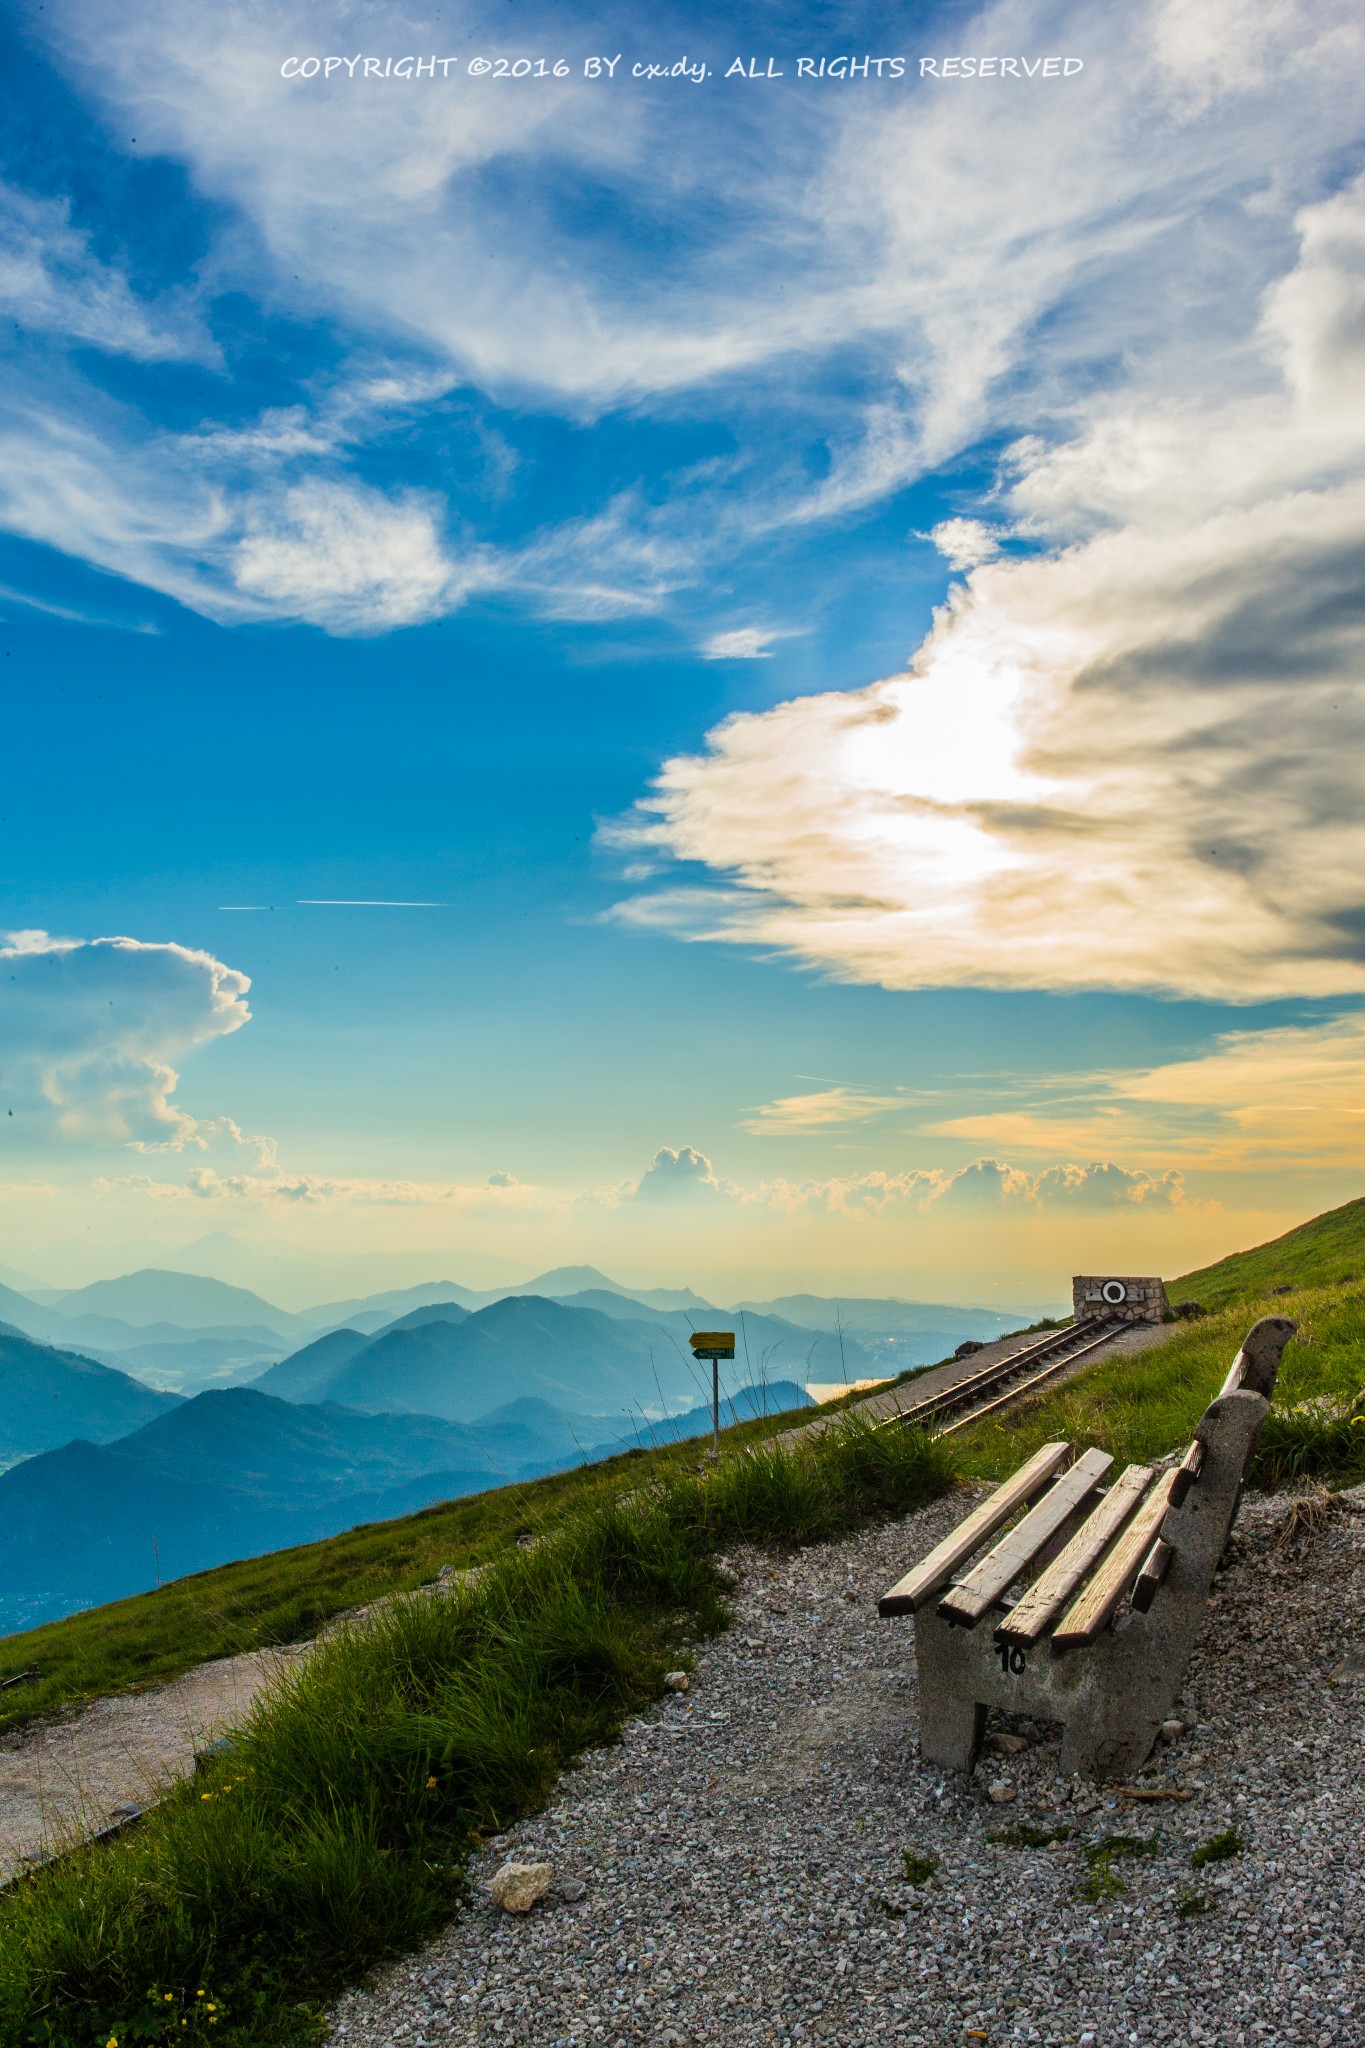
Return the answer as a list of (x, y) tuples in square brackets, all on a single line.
[(715, 1345)]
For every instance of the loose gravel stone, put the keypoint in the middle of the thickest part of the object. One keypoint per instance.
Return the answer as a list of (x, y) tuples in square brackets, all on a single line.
[(749, 1851)]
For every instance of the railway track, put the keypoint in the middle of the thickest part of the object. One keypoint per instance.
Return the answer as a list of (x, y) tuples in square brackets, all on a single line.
[(1009, 1379)]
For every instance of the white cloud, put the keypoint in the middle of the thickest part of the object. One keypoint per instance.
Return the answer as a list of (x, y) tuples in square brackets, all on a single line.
[(965, 543), (236, 525), (1135, 759), (744, 643), (51, 283), (89, 1031), (347, 557), (823, 1109), (679, 1173)]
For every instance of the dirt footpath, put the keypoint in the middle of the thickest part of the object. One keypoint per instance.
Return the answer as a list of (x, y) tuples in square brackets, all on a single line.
[(62, 1780)]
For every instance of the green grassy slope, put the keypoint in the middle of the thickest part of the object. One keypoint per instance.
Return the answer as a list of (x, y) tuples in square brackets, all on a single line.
[(335, 1829), (1326, 1251), (1142, 1406)]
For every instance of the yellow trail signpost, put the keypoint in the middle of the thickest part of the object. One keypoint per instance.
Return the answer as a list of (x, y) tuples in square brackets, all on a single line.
[(715, 1345)]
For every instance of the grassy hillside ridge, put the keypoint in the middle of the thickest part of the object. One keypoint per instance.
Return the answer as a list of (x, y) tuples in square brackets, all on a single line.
[(1142, 1406), (287, 1596), (1328, 1250), (1139, 1406)]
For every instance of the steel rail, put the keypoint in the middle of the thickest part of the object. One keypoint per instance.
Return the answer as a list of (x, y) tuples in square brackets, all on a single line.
[(1035, 1380)]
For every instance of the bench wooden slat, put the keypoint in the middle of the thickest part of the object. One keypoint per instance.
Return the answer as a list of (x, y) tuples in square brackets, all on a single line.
[(1089, 1613), (1049, 1593), (1001, 1566), (933, 1573)]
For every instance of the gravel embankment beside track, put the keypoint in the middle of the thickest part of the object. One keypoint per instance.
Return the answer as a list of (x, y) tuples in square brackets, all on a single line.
[(940, 1378), (740, 1853)]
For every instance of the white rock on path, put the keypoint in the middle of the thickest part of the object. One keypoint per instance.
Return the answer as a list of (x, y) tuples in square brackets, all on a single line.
[(517, 1886)]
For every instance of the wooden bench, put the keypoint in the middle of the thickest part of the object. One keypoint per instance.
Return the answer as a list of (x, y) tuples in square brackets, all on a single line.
[(1086, 1609)]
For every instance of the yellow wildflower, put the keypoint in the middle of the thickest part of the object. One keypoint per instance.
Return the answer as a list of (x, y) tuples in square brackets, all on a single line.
[(430, 1783)]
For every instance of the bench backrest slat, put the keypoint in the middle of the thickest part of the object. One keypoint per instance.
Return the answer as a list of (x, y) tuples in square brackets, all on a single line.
[(1155, 1566), (1049, 1593), (933, 1573), (1000, 1567), (1186, 1472)]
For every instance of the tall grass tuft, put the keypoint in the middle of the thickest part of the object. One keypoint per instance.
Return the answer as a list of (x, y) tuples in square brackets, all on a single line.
[(1321, 1439), (336, 1829)]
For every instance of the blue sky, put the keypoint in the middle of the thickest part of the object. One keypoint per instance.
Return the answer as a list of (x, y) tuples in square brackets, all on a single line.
[(813, 614)]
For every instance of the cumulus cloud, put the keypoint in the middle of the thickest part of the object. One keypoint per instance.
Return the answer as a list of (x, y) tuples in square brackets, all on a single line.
[(1098, 1187), (984, 1184), (90, 1031), (679, 1172), (1135, 759)]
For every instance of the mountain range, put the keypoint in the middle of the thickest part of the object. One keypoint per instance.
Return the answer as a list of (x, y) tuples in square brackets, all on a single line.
[(184, 1331), (595, 1351), (236, 1472), (443, 1360), (161, 1422), (48, 1396)]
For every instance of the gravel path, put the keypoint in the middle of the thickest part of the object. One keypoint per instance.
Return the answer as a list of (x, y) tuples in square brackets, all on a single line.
[(740, 1854)]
